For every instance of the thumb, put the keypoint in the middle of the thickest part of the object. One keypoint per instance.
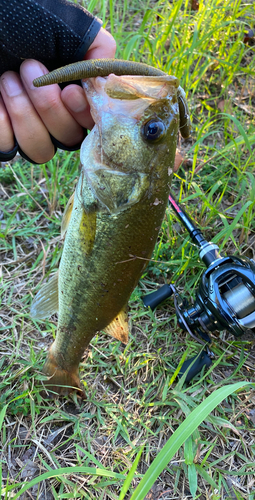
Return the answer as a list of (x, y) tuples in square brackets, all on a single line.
[(104, 46)]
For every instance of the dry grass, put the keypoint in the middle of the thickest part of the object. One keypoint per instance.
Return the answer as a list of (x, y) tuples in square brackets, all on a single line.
[(131, 397)]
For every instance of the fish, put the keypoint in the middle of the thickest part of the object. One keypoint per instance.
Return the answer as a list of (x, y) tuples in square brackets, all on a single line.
[(111, 222)]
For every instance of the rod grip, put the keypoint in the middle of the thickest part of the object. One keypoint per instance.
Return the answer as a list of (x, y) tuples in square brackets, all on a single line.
[(153, 299), (197, 362)]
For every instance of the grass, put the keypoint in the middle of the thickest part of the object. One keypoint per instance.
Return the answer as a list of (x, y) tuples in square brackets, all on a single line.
[(124, 439)]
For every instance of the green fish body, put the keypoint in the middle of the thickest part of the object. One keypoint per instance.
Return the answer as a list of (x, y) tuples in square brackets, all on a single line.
[(112, 222)]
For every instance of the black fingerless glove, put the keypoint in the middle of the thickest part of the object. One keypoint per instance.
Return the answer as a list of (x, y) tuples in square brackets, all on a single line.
[(54, 32)]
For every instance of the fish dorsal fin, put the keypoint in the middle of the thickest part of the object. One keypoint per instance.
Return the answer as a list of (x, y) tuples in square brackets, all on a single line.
[(118, 328), (45, 302), (67, 216)]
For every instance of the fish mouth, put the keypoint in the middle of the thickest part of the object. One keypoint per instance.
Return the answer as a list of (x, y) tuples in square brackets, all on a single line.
[(136, 87), (127, 95)]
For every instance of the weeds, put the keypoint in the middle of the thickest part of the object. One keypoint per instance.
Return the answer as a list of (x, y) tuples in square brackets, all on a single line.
[(124, 439)]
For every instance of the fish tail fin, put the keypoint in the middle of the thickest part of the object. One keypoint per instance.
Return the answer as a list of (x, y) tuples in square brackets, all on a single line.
[(61, 382)]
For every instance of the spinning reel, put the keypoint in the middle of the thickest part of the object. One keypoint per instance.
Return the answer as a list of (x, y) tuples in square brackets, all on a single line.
[(225, 299)]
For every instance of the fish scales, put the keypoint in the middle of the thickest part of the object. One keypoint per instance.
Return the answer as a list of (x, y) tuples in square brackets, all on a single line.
[(104, 284), (116, 214)]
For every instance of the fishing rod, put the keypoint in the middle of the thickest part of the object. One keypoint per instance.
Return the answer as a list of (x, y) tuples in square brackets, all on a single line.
[(225, 299)]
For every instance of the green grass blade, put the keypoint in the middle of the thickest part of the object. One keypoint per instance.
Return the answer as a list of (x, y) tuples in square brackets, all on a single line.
[(241, 130), (192, 476), (130, 475), (188, 426), (206, 476), (68, 470), (231, 227), (2, 415)]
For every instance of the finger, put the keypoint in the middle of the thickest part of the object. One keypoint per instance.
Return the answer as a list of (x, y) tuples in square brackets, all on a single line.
[(6, 137), (73, 96), (30, 132), (47, 102), (75, 100), (104, 46)]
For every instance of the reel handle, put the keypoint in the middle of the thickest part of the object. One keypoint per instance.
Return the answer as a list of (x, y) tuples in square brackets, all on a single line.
[(153, 299)]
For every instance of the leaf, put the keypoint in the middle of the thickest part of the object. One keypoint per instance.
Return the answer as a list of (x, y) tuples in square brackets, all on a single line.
[(222, 422), (130, 475), (2, 415), (68, 470), (188, 451), (178, 160), (231, 227), (188, 426), (241, 130), (192, 476), (206, 476)]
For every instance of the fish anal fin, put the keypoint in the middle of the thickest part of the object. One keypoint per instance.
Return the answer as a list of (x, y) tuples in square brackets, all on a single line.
[(45, 302), (61, 382), (67, 215), (118, 328)]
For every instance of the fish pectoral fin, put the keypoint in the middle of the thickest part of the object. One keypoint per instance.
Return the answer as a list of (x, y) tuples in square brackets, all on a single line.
[(67, 215), (118, 190), (118, 328), (45, 302)]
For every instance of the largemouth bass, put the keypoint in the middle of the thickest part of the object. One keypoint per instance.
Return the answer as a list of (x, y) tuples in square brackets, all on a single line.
[(112, 221)]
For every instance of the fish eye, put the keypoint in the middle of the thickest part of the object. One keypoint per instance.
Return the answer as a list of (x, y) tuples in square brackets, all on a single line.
[(153, 130)]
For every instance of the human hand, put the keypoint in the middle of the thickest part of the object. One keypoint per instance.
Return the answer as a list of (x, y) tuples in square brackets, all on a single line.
[(30, 114)]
